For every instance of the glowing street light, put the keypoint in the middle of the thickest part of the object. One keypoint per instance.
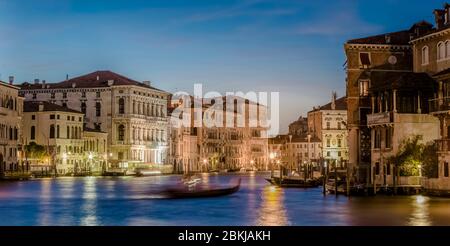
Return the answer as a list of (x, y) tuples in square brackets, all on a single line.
[(272, 155)]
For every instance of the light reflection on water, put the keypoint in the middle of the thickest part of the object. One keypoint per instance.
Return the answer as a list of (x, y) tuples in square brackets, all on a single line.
[(272, 211), (131, 201), (89, 208), (420, 215)]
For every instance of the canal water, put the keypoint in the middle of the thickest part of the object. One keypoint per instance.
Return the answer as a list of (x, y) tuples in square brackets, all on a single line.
[(134, 201)]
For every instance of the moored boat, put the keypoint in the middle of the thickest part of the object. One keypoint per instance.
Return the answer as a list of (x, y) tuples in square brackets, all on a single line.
[(189, 192), (293, 182)]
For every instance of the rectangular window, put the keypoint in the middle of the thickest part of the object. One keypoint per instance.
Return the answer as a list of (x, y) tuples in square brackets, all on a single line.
[(97, 94), (34, 95), (57, 116), (364, 59), (52, 116), (339, 142), (328, 125), (64, 94), (328, 142), (377, 168), (83, 94), (33, 117), (377, 140), (33, 133), (388, 139), (52, 95), (328, 153), (98, 109), (388, 167), (446, 169)]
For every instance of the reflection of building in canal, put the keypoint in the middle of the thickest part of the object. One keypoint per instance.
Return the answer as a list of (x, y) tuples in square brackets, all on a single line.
[(272, 211)]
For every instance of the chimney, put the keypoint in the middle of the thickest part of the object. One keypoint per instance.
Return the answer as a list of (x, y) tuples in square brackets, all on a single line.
[(387, 37), (74, 85), (439, 18), (43, 81), (41, 106), (36, 81), (110, 82), (98, 78), (11, 80), (333, 100), (67, 77), (147, 82)]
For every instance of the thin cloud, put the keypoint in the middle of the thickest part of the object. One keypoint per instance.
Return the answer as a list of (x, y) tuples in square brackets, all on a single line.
[(243, 8), (338, 24)]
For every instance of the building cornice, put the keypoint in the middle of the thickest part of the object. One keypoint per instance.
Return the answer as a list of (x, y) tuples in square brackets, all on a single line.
[(430, 36), (9, 85), (377, 47)]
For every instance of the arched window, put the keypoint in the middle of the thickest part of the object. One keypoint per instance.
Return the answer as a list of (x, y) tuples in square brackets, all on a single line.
[(52, 131), (83, 108), (121, 131), (121, 106), (425, 55), (441, 51), (33, 133)]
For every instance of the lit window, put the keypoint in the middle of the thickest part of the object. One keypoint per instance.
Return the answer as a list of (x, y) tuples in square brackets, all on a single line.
[(364, 88)]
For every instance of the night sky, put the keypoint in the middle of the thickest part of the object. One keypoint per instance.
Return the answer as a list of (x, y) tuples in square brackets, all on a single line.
[(294, 47)]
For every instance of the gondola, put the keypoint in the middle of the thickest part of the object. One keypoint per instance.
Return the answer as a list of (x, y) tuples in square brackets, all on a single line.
[(186, 192), (293, 182)]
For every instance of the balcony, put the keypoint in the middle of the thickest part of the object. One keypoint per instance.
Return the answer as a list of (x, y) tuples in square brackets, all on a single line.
[(439, 105), (443, 145), (379, 118)]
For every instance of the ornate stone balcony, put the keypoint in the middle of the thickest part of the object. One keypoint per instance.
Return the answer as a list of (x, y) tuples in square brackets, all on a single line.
[(439, 105), (379, 118)]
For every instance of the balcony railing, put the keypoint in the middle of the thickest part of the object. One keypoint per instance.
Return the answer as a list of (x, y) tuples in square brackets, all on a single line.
[(439, 104), (443, 145), (379, 118)]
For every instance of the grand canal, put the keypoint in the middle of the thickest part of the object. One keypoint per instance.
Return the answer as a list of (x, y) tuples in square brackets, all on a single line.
[(133, 201)]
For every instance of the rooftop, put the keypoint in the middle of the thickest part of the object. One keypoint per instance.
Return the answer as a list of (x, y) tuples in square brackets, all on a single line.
[(91, 80), (405, 81)]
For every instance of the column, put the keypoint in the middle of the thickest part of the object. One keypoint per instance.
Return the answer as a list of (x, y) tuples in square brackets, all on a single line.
[(380, 104), (394, 101), (419, 110), (386, 99), (373, 104)]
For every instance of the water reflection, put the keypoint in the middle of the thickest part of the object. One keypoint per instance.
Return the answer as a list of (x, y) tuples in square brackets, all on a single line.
[(272, 211), (45, 203), (89, 208), (420, 215)]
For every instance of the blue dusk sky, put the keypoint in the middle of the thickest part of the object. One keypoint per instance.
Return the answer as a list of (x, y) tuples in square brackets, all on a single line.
[(294, 47)]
